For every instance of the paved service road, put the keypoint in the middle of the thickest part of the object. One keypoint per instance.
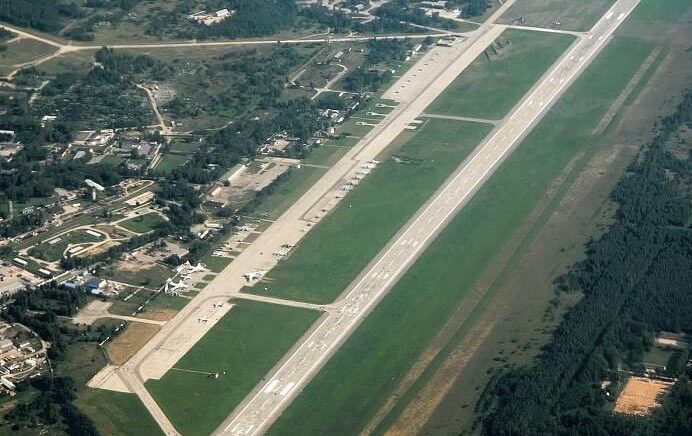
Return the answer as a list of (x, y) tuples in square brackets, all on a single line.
[(284, 383)]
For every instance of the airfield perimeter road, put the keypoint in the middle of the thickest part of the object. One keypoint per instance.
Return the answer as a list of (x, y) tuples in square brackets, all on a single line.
[(284, 383)]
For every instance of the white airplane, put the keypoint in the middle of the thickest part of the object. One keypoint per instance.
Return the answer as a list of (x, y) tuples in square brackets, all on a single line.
[(173, 288), (244, 229), (180, 284), (183, 267), (256, 275), (203, 319), (219, 304), (198, 268)]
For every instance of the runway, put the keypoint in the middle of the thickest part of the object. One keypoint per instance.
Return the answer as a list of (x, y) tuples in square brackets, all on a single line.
[(284, 383), (435, 70)]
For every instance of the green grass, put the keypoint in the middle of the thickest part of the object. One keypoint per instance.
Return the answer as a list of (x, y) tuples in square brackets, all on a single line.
[(242, 347), (330, 257), (354, 384), (117, 413), (216, 264), (170, 302), (122, 307), (658, 356), (24, 50), (169, 162), (142, 223), (491, 86), (325, 155), (153, 277), (299, 181), (580, 15), (54, 252), (112, 160)]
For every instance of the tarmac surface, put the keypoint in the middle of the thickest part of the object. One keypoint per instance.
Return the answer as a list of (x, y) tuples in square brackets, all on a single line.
[(286, 381)]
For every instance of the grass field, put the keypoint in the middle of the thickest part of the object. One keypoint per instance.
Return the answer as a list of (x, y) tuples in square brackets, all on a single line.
[(169, 162), (152, 277), (658, 356), (330, 257), (171, 302), (242, 347), (143, 223), (216, 264), (117, 413), (493, 84), (22, 51), (391, 339), (53, 252), (580, 16)]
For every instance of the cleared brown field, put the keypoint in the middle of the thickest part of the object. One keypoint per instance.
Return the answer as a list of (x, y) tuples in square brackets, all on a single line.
[(641, 396), (127, 344)]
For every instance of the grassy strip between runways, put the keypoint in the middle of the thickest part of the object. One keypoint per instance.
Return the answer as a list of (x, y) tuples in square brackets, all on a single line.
[(242, 348), (493, 83), (360, 376), (330, 257), (117, 413)]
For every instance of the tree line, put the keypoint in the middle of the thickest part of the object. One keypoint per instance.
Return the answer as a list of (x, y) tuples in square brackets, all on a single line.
[(635, 282)]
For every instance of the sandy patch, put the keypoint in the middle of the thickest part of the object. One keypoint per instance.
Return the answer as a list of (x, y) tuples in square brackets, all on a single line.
[(641, 396), (130, 341), (159, 314)]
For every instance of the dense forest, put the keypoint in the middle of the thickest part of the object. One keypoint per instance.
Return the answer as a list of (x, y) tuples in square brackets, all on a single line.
[(380, 52), (45, 15), (635, 282)]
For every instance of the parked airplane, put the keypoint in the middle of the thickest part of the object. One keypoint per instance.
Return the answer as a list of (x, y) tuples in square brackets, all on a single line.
[(173, 288), (219, 304), (198, 268), (203, 319), (256, 275)]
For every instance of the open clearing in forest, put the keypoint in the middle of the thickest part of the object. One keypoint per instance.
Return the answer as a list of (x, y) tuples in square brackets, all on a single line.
[(641, 396)]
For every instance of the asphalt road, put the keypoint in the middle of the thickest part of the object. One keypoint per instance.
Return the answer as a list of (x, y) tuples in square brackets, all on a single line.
[(286, 381)]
